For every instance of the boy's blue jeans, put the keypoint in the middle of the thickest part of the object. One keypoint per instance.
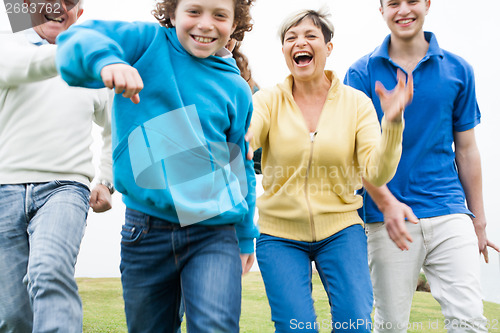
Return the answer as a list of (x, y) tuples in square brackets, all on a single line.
[(342, 264), (41, 228), (159, 259)]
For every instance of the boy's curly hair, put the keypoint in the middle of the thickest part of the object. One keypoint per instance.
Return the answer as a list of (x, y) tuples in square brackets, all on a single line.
[(164, 9)]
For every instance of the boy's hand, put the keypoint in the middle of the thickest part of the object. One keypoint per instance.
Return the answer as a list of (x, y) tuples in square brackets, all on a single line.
[(394, 102), (124, 79), (247, 260)]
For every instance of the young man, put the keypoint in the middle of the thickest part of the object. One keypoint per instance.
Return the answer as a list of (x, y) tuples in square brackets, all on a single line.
[(45, 172), (433, 181)]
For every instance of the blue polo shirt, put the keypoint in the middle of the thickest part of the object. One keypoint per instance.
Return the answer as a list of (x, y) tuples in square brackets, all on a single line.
[(444, 101)]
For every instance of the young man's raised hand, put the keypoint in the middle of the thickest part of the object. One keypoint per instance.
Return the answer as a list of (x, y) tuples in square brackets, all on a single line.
[(393, 102)]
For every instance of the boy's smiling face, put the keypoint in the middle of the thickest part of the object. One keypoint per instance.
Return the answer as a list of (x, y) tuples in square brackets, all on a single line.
[(204, 26)]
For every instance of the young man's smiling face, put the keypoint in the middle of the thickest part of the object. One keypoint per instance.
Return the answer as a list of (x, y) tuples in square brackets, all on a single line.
[(53, 17), (204, 26), (405, 18)]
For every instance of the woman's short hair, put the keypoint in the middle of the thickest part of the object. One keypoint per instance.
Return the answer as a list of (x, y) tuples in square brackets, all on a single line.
[(320, 18)]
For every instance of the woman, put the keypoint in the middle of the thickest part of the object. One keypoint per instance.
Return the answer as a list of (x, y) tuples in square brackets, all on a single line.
[(319, 139)]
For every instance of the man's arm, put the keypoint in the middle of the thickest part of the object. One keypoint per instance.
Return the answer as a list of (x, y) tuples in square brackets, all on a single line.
[(21, 62), (100, 198), (468, 163), (395, 213)]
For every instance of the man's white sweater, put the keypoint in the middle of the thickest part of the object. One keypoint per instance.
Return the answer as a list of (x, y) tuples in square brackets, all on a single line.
[(45, 125)]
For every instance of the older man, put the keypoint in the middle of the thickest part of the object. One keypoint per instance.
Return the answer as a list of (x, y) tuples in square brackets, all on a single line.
[(45, 172)]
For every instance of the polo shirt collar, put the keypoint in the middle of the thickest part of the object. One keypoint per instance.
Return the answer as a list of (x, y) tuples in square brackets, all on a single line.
[(434, 50), (34, 38)]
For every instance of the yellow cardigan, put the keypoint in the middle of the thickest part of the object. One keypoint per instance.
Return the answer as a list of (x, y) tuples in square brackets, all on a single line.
[(310, 179)]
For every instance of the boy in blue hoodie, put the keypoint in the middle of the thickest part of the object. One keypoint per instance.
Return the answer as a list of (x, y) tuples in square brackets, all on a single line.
[(178, 157)]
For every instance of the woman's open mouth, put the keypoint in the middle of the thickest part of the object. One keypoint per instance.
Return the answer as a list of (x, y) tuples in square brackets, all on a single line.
[(303, 58)]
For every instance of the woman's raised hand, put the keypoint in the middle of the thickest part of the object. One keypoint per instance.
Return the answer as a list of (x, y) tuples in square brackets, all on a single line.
[(393, 102)]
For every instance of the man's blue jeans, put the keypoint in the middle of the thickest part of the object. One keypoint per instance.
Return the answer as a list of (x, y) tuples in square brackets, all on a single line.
[(342, 264), (41, 228), (159, 259)]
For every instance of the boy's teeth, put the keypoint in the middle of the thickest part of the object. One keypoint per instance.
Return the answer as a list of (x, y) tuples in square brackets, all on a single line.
[(203, 39), (405, 21)]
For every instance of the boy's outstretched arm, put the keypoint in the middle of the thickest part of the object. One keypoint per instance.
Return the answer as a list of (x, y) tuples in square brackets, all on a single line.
[(86, 50)]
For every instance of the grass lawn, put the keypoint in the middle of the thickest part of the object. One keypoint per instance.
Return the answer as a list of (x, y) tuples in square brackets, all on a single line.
[(103, 308)]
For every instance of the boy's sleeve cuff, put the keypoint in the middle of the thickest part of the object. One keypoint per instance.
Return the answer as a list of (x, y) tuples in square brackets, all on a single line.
[(111, 60), (246, 246)]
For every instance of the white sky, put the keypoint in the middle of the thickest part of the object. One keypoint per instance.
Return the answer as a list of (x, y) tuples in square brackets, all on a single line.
[(468, 28)]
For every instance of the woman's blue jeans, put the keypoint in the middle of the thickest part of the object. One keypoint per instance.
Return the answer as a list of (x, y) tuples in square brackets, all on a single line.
[(342, 264), (41, 228), (162, 261)]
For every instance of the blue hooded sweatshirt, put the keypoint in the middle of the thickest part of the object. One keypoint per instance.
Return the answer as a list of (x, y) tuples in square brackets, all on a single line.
[(179, 154)]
